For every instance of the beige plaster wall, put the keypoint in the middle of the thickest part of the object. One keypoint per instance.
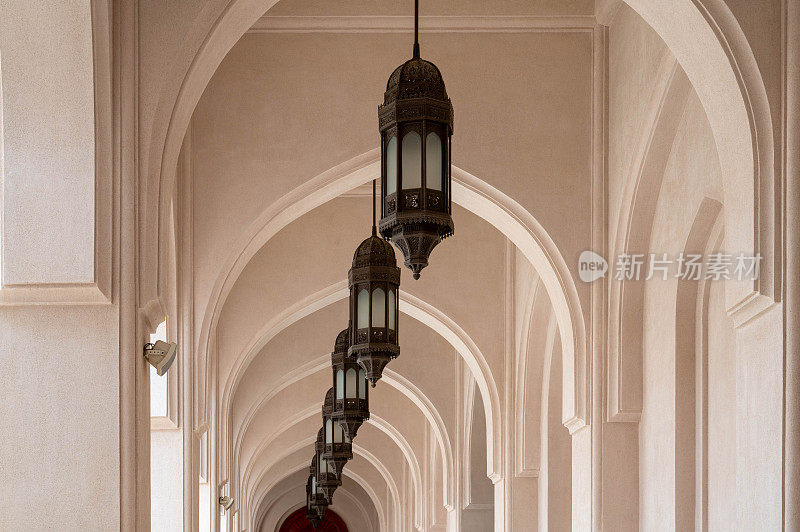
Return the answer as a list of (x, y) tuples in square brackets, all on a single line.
[(545, 167), (59, 372), (722, 355), (478, 509), (635, 55), (47, 150), (559, 454), (166, 480), (692, 174)]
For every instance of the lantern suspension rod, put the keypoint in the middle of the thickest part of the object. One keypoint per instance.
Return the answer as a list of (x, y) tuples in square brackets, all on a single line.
[(374, 231), (416, 28)]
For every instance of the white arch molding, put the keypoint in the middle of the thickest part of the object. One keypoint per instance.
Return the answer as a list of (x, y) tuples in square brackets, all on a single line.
[(483, 200), (708, 43), (703, 35), (427, 315), (272, 501), (314, 410), (634, 225), (315, 302), (285, 470), (259, 512)]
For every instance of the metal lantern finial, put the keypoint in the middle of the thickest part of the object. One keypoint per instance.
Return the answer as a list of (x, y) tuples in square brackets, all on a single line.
[(416, 125), (374, 282), (351, 393)]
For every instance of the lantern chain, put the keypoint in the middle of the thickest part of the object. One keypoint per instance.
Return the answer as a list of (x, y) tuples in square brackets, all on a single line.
[(416, 28)]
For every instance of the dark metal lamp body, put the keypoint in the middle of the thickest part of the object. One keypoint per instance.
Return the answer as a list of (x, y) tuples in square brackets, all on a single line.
[(327, 480), (351, 393), (416, 125), (311, 510), (374, 282), (337, 449), (316, 503)]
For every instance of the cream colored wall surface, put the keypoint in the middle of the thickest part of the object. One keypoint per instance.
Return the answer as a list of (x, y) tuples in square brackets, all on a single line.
[(722, 354), (288, 128), (691, 174), (59, 418), (559, 454), (166, 480), (636, 54), (47, 162), (477, 513), (759, 394)]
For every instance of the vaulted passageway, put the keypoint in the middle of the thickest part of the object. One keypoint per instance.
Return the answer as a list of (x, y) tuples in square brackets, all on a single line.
[(499, 326), (212, 182)]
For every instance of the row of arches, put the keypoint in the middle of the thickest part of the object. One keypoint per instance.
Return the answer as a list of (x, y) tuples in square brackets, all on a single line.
[(502, 212)]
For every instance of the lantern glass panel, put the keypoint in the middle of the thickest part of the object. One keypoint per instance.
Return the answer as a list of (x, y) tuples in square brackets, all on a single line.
[(392, 313), (412, 160), (340, 384), (328, 431), (378, 308), (362, 307), (391, 166), (313, 484), (362, 387), (338, 434), (351, 383), (433, 162)]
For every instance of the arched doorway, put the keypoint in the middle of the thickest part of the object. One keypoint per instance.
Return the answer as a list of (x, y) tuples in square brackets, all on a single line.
[(297, 522)]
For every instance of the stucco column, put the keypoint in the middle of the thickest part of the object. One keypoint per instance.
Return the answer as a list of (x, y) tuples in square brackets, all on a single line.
[(791, 495)]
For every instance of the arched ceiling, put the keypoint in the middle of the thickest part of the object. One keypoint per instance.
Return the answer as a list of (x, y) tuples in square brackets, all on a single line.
[(277, 400), (277, 323)]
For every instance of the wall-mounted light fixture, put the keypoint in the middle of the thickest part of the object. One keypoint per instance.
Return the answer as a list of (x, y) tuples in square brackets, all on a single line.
[(160, 355), (226, 502)]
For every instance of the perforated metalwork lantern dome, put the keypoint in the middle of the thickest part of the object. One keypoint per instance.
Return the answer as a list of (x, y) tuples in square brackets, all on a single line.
[(327, 480), (374, 282), (338, 449), (351, 393), (416, 125)]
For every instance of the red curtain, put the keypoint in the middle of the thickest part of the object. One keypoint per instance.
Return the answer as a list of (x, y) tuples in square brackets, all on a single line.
[(297, 522)]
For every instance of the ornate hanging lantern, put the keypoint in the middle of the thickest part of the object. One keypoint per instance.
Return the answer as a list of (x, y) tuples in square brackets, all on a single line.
[(327, 480), (311, 488), (416, 125), (316, 504), (351, 393), (338, 449), (374, 282)]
